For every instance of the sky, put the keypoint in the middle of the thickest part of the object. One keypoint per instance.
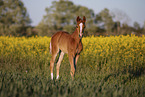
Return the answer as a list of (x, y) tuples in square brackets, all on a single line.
[(135, 9)]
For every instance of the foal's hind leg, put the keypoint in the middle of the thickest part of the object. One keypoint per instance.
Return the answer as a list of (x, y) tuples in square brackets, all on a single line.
[(58, 64), (54, 54)]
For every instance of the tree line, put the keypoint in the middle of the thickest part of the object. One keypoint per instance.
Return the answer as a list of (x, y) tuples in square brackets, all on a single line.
[(61, 15)]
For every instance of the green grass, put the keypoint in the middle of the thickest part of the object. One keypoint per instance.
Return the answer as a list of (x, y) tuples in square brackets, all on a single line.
[(31, 77)]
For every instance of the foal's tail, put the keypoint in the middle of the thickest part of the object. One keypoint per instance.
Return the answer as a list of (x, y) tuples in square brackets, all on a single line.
[(50, 48)]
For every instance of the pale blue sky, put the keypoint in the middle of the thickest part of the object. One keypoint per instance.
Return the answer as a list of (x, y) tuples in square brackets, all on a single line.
[(135, 9)]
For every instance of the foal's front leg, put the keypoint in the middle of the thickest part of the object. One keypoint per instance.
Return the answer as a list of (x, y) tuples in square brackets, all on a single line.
[(71, 60), (76, 59)]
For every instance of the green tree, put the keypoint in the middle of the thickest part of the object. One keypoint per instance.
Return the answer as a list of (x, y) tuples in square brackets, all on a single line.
[(120, 16), (99, 24), (106, 19), (138, 28), (57, 16), (126, 29), (61, 16), (13, 17), (136, 25)]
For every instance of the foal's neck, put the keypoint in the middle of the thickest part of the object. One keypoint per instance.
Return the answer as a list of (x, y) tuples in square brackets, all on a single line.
[(75, 35)]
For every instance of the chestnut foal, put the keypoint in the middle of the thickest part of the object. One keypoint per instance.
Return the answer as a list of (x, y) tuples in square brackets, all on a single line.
[(67, 43)]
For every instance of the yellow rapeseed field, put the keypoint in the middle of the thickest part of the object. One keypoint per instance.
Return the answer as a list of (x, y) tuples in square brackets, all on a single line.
[(112, 65), (104, 53)]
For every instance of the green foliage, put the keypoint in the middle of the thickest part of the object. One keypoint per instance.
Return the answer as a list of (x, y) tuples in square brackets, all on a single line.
[(13, 18), (61, 15), (107, 20), (91, 84)]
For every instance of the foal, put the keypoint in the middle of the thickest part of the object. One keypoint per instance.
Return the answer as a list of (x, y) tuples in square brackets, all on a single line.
[(67, 43)]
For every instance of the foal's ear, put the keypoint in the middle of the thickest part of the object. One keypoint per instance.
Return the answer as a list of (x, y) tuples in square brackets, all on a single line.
[(78, 19), (84, 19)]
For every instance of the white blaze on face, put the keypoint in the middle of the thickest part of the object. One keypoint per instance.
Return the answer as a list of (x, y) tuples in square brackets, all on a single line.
[(81, 27)]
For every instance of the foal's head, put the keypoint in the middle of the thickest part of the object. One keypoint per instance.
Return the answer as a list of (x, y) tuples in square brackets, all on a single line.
[(81, 25)]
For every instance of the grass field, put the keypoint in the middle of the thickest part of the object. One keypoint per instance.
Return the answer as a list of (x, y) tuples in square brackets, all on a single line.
[(108, 66)]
